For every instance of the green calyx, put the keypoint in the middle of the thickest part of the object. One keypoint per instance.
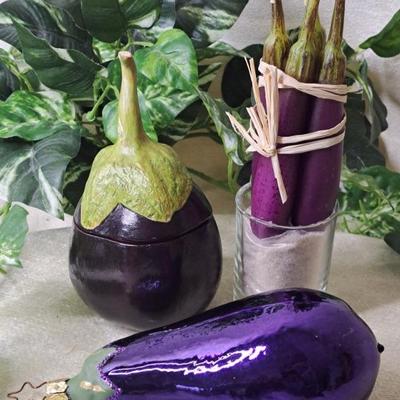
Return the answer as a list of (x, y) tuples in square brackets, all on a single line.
[(304, 56), (277, 44), (88, 385), (334, 63), (144, 176)]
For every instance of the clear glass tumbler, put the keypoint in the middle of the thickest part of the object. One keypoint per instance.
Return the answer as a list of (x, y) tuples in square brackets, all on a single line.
[(289, 257)]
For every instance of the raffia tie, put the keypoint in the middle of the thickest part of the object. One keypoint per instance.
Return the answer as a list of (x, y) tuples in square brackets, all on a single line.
[(262, 135)]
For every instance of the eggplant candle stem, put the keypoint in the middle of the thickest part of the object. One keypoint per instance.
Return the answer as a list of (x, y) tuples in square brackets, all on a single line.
[(277, 44)]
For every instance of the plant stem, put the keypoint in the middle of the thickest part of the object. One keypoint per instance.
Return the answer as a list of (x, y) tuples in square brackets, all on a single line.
[(91, 116)]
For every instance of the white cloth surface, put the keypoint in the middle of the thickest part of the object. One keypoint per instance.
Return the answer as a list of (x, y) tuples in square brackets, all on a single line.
[(46, 331)]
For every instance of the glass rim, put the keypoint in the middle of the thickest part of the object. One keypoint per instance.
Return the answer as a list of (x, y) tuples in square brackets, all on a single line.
[(269, 224)]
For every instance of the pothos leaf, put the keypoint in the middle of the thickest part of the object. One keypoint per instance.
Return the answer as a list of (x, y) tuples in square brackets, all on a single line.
[(170, 62), (32, 116), (33, 173), (103, 19), (217, 110), (206, 21), (220, 48), (66, 70), (139, 13), (8, 82), (57, 28), (359, 151), (387, 42), (167, 79), (13, 230), (165, 22)]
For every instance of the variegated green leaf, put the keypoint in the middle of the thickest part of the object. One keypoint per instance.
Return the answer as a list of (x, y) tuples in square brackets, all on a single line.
[(32, 173), (104, 19), (170, 62), (55, 26), (206, 21), (231, 141), (219, 48), (69, 71), (139, 13), (8, 82), (13, 230), (165, 22), (32, 116)]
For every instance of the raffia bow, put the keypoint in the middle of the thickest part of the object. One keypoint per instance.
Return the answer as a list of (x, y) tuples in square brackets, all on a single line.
[(262, 135)]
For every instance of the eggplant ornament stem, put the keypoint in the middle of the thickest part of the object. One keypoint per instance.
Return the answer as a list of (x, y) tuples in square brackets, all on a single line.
[(321, 169), (294, 107)]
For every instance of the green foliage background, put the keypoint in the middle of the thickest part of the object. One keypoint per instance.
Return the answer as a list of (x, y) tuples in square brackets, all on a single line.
[(60, 79)]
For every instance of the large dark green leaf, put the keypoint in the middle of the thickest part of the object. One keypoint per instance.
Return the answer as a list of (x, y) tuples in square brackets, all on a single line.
[(33, 173), (375, 110), (57, 28), (71, 7), (104, 19), (206, 21), (359, 151), (393, 240), (217, 110), (66, 70), (8, 82), (140, 13), (387, 42), (34, 116), (218, 49), (236, 82), (165, 22), (13, 230)]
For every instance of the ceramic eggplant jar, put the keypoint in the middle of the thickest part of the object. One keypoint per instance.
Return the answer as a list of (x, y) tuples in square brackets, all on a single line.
[(146, 250)]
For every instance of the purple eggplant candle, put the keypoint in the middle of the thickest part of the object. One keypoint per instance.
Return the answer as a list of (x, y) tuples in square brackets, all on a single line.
[(285, 345), (321, 169), (146, 249), (294, 108)]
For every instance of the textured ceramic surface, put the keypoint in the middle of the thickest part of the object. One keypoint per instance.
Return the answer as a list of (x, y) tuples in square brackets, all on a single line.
[(144, 274)]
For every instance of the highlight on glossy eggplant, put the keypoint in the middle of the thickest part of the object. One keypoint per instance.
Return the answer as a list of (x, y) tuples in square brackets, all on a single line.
[(291, 344), (146, 250)]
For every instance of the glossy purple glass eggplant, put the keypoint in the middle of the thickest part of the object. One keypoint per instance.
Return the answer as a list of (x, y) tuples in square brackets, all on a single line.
[(285, 345), (143, 273)]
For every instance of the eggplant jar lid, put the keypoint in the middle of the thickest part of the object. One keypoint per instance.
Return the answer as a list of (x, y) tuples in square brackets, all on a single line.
[(124, 225)]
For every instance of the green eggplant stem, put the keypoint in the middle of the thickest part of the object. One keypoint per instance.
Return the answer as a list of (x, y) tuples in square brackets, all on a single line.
[(304, 57), (277, 44), (334, 62), (310, 21), (337, 26), (131, 132)]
